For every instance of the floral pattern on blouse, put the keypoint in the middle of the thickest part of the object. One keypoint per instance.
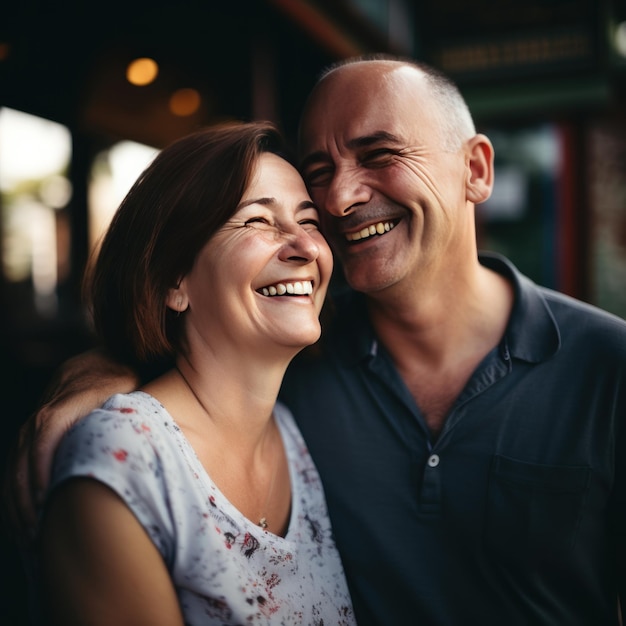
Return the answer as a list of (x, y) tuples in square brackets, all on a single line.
[(226, 569)]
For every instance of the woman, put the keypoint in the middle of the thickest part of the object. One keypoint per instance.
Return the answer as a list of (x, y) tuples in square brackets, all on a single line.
[(194, 500)]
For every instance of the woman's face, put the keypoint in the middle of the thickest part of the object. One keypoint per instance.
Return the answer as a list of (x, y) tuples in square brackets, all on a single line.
[(260, 281)]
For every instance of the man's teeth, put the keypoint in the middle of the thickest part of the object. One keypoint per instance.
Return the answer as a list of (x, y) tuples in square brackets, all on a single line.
[(299, 288), (368, 231)]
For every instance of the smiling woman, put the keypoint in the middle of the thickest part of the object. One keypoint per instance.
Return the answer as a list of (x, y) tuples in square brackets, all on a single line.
[(214, 271), (274, 237)]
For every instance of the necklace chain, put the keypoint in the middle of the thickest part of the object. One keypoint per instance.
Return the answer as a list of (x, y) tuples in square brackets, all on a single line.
[(263, 523)]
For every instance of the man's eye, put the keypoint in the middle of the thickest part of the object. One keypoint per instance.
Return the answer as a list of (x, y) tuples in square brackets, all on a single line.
[(378, 156), (319, 176)]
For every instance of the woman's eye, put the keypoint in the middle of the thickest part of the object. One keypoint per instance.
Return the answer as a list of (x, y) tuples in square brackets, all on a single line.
[(310, 224), (257, 220)]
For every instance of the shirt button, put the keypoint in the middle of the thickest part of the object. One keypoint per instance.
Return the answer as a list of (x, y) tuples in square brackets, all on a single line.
[(433, 460)]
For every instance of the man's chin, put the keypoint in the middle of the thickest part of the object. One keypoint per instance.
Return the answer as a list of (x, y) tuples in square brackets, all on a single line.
[(366, 281)]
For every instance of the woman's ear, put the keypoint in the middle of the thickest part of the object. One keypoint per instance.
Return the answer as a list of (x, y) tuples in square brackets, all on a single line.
[(480, 164), (177, 298)]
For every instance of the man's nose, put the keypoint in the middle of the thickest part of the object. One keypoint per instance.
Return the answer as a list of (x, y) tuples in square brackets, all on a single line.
[(345, 193)]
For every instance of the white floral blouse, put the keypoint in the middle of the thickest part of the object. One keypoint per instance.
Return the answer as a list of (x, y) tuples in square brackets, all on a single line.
[(226, 569)]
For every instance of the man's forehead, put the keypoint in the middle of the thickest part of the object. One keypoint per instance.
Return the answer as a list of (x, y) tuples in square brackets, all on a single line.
[(388, 75), (352, 124), (371, 68), (359, 100), (351, 136), (352, 91)]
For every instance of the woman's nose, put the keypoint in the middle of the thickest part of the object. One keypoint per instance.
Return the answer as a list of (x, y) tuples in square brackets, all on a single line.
[(300, 246)]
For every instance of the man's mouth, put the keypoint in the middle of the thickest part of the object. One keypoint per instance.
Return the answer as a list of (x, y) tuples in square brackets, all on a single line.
[(380, 228), (296, 288)]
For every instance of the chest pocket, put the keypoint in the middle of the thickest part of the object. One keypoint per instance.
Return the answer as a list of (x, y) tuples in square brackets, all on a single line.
[(533, 511)]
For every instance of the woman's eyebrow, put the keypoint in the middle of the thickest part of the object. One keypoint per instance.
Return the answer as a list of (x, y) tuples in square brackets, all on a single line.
[(263, 201), (270, 201)]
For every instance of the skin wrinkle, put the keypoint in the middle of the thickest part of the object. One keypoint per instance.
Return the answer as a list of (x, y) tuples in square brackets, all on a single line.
[(268, 224)]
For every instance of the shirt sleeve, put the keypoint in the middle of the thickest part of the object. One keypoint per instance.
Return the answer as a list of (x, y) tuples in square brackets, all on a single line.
[(119, 448)]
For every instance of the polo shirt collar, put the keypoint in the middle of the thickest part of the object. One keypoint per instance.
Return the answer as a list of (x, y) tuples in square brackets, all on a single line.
[(532, 333)]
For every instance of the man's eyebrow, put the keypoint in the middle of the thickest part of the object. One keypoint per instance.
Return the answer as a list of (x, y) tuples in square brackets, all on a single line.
[(315, 157), (374, 138), (365, 141)]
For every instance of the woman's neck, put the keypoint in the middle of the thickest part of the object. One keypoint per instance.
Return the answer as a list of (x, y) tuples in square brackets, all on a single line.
[(232, 395)]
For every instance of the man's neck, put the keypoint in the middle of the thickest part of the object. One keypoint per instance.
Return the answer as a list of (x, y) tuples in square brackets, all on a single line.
[(437, 338)]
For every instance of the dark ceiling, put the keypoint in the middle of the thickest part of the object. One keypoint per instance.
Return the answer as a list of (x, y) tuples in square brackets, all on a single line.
[(248, 58), (259, 58)]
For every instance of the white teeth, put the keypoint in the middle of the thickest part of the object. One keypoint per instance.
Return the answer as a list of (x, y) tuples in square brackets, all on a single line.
[(368, 231), (298, 288)]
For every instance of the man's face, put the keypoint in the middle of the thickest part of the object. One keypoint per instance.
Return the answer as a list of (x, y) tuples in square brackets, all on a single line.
[(373, 157)]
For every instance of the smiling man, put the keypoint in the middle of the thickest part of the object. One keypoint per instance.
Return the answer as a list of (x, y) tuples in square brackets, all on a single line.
[(471, 431)]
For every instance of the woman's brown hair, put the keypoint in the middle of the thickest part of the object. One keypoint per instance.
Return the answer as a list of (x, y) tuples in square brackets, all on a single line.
[(182, 198)]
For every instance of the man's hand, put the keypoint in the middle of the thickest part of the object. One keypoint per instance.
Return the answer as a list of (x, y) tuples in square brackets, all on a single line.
[(81, 384)]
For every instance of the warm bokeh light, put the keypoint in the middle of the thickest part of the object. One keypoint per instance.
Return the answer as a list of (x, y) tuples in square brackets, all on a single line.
[(35, 155), (55, 191), (184, 102), (142, 71), (31, 148), (5, 50), (620, 39), (113, 173)]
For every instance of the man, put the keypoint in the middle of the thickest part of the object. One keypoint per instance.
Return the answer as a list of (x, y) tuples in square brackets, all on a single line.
[(466, 423)]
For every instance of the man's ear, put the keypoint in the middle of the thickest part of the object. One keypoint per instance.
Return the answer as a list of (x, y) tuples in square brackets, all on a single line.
[(177, 298), (480, 164)]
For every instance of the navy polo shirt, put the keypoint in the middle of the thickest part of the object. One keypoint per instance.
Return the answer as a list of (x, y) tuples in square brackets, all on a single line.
[(516, 515)]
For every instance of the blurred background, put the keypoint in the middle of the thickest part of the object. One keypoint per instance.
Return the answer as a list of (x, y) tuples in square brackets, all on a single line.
[(89, 92)]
